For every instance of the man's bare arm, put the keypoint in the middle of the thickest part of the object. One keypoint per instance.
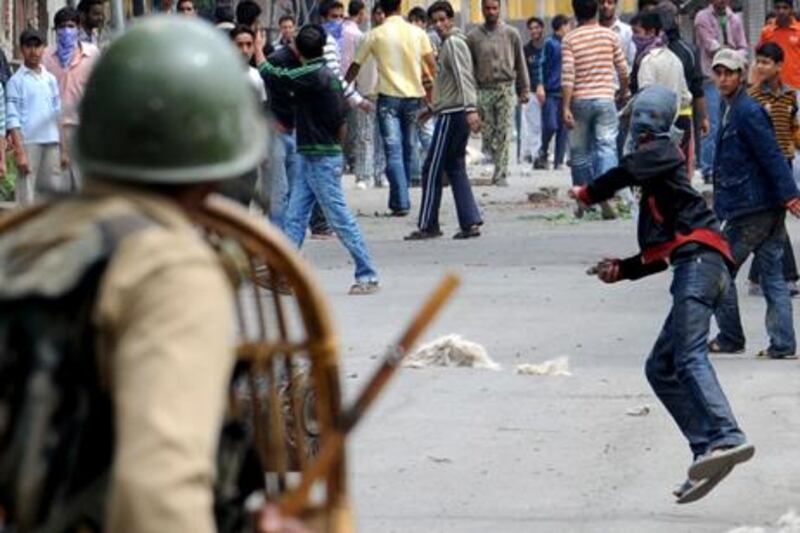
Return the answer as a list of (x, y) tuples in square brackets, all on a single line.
[(430, 65), (566, 96)]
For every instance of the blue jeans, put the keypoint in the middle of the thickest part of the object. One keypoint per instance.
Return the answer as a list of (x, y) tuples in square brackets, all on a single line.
[(397, 118), (678, 368), (593, 140), (553, 125), (708, 146), (319, 179), (424, 138), (762, 234), (283, 166)]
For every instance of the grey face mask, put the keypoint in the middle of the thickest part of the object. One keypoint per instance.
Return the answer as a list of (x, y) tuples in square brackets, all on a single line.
[(653, 113)]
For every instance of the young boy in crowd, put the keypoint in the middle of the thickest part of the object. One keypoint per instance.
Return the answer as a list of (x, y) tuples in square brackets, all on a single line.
[(244, 188), (552, 120), (33, 114), (677, 228), (320, 120), (455, 100), (753, 188), (780, 103), (244, 37)]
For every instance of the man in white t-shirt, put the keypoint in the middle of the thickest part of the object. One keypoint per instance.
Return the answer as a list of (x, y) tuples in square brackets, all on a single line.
[(244, 38), (244, 189), (607, 15)]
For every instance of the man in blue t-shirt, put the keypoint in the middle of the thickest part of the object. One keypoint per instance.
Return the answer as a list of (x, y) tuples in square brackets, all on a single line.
[(532, 111), (550, 85)]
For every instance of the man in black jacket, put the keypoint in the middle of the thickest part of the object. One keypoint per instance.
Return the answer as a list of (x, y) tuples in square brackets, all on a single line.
[(318, 98), (676, 227), (283, 160)]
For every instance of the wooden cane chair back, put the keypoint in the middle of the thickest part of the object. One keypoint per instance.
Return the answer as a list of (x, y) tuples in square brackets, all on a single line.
[(286, 388), (288, 371)]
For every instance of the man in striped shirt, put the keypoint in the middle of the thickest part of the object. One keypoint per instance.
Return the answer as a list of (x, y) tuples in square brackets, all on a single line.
[(591, 55)]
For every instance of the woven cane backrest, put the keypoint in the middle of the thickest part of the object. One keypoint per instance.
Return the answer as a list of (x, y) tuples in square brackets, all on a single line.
[(286, 387), (287, 384)]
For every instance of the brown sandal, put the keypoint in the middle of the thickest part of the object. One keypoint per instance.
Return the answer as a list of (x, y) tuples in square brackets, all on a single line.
[(715, 347), (364, 288)]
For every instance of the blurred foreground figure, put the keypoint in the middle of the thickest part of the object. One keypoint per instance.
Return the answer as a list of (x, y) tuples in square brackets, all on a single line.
[(116, 322)]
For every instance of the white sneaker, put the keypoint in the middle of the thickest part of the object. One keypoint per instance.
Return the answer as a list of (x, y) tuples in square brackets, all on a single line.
[(361, 185)]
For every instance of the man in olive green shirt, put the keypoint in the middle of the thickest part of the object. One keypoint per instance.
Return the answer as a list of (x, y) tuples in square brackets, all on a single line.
[(501, 73)]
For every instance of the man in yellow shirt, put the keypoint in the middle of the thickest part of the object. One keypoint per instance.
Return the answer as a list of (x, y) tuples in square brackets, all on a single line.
[(402, 52)]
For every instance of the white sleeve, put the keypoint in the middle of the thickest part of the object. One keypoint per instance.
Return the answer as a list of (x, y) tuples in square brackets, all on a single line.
[(331, 57)]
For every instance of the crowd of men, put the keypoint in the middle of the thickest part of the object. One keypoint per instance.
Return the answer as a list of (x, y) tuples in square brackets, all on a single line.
[(412, 89), (572, 89), (39, 102)]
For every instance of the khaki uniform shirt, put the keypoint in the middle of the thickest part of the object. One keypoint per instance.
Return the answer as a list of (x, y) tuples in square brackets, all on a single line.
[(165, 316)]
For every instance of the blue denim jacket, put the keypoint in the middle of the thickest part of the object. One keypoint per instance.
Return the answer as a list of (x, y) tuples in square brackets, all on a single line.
[(751, 173)]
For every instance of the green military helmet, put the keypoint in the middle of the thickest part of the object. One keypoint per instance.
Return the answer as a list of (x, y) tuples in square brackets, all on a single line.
[(170, 102)]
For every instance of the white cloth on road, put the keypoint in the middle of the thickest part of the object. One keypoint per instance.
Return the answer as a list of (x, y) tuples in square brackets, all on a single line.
[(452, 350)]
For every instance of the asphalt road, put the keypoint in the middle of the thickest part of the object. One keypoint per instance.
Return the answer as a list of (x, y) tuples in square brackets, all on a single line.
[(464, 450)]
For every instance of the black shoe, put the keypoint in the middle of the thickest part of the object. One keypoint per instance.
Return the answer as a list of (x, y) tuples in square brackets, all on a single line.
[(714, 346), (540, 163), (794, 290), (399, 212), (422, 235), (469, 233), (322, 234)]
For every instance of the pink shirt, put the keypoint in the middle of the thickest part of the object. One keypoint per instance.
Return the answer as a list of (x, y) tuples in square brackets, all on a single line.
[(351, 38), (710, 39), (72, 79)]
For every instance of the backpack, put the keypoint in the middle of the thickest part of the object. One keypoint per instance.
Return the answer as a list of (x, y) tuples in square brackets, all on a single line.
[(56, 417), (56, 424)]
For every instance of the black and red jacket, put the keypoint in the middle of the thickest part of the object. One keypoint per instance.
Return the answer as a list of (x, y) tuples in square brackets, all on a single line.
[(672, 212)]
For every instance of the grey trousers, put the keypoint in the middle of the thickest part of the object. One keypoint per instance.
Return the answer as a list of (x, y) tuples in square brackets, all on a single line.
[(73, 177), (45, 178)]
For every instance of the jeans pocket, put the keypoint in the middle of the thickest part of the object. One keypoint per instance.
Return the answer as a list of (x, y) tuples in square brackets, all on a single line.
[(699, 278)]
